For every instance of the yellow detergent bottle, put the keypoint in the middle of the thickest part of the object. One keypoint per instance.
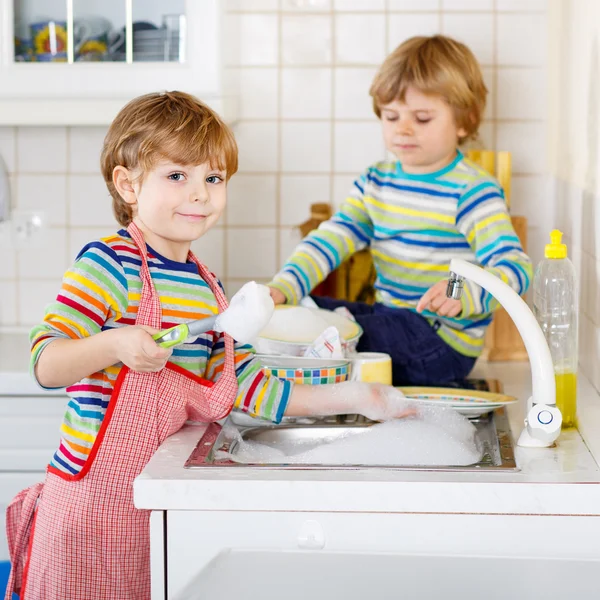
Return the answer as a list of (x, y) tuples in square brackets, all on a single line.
[(555, 305)]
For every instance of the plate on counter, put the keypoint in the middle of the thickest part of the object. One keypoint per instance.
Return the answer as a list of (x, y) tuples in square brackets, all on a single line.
[(471, 403)]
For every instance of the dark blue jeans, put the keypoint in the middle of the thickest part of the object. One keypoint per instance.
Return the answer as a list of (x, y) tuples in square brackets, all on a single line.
[(419, 355)]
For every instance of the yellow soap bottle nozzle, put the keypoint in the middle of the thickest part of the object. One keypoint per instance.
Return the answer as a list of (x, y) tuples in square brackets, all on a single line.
[(556, 249)]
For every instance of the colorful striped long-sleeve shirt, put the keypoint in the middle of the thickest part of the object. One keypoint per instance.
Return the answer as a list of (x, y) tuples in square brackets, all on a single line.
[(102, 291), (414, 225)]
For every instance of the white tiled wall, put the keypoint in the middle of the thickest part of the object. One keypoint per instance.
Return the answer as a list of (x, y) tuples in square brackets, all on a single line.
[(575, 123), (306, 130)]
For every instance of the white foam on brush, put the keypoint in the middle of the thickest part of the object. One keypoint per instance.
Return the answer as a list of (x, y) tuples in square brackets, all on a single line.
[(435, 437), (295, 324), (249, 311)]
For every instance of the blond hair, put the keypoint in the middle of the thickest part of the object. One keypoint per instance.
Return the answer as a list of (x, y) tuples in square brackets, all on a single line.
[(172, 126), (434, 65)]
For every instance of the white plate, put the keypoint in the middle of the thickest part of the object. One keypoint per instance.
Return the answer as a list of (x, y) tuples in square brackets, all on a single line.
[(456, 396), (467, 411), (471, 403)]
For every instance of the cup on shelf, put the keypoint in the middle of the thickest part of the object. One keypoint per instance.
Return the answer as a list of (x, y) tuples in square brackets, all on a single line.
[(49, 39), (100, 41)]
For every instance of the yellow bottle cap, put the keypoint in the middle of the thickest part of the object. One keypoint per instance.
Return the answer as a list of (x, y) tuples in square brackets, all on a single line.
[(555, 249)]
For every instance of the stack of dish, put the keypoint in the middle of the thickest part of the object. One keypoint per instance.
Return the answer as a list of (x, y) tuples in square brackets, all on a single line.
[(293, 329), (471, 403)]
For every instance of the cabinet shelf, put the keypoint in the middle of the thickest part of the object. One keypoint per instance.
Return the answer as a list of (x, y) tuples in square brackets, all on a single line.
[(90, 91)]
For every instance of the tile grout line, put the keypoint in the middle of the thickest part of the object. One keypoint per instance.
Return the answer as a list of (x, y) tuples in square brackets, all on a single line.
[(362, 65), (68, 197), (332, 116), (279, 125), (317, 13), (17, 297), (386, 34), (495, 74)]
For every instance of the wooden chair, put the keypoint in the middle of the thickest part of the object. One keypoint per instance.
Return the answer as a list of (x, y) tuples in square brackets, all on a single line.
[(503, 341)]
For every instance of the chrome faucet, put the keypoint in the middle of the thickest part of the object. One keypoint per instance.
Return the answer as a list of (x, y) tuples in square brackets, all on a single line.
[(543, 420), (455, 286)]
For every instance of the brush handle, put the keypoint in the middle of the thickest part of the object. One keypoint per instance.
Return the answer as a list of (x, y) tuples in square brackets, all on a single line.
[(177, 335), (171, 337), (202, 325)]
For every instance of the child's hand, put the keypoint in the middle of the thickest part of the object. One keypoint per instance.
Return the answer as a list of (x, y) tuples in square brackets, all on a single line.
[(384, 403), (277, 295), (435, 300), (137, 350)]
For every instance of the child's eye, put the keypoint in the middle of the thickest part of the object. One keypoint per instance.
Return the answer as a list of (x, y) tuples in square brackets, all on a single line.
[(423, 120), (176, 176), (390, 118), (214, 179)]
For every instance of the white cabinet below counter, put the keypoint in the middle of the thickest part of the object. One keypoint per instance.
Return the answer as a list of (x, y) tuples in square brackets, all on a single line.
[(271, 555), (29, 436), (29, 430)]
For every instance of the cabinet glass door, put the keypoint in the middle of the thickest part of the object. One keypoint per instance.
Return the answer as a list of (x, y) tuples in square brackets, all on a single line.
[(129, 31)]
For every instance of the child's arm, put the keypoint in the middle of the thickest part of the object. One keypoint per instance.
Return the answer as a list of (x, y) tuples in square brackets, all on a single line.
[(324, 249), (258, 394), (70, 343), (374, 401), (67, 361), (483, 219), (269, 398)]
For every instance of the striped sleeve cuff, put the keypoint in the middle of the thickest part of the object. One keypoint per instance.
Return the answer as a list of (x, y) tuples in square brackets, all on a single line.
[(40, 338), (261, 395), (291, 293)]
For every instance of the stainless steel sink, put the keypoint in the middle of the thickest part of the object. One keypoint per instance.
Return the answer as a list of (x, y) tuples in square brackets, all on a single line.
[(492, 432)]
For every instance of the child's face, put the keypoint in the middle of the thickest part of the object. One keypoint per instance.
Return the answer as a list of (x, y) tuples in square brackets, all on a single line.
[(421, 131), (176, 204)]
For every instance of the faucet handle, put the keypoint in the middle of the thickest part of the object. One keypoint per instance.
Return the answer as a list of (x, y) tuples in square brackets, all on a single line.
[(543, 425)]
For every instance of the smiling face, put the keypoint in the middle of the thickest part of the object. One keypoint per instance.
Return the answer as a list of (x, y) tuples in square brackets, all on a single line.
[(420, 131), (174, 204)]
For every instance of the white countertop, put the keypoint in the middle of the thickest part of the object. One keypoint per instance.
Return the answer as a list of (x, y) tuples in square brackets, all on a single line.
[(551, 481), (559, 480)]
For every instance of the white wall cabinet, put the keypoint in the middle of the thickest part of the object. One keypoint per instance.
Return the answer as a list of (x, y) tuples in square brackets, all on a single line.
[(77, 62)]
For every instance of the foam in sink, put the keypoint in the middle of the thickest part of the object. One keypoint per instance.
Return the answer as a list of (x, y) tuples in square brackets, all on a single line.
[(435, 437)]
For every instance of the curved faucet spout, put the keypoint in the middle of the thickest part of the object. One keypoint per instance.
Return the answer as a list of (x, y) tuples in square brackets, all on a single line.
[(543, 384)]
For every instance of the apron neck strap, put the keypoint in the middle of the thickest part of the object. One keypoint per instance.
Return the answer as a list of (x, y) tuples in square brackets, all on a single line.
[(149, 310)]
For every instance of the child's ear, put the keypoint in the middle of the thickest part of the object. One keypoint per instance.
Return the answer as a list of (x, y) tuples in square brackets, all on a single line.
[(122, 180)]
